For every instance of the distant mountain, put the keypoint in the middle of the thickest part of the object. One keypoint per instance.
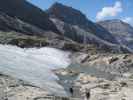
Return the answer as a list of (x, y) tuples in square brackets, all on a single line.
[(121, 30), (27, 12), (70, 17)]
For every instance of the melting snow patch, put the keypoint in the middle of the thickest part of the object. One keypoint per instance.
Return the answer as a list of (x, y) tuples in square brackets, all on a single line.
[(34, 65)]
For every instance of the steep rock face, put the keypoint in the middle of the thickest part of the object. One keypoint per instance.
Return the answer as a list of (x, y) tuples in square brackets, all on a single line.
[(27, 13), (8, 24), (74, 17), (74, 25), (121, 30), (76, 33)]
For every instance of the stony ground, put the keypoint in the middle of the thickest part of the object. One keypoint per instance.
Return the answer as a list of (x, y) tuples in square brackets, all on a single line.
[(99, 88), (13, 89), (103, 76), (106, 90)]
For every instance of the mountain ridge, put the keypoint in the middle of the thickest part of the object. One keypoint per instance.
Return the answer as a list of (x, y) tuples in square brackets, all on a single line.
[(27, 12), (72, 16), (121, 30), (29, 26)]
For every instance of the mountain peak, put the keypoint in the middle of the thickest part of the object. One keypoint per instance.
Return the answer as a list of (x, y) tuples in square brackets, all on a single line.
[(117, 22), (66, 14), (57, 4), (75, 17)]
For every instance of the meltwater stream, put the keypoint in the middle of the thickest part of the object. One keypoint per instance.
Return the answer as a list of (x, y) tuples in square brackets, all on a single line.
[(34, 65)]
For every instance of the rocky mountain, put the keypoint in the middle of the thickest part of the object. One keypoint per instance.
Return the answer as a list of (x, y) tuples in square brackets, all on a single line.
[(8, 24), (74, 24), (27, 12), (121, 30), (33, 27)]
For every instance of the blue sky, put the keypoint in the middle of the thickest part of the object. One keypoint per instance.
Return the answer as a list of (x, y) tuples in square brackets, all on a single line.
[(96, 10)]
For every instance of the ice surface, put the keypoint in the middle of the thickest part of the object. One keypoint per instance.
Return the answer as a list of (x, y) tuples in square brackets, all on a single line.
[(34, 65)]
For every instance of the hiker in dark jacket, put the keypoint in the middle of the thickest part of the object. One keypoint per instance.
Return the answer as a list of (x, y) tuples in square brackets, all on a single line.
[(88, 95), (71, 91)]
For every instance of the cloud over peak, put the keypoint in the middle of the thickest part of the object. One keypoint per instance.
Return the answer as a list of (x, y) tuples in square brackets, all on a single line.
[(110, 11)]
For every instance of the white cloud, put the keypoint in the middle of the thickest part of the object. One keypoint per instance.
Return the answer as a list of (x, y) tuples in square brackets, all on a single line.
[(128, 20), (110, 11)]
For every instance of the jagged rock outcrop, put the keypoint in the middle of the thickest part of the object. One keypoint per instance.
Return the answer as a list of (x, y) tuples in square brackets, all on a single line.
[(121, 30)]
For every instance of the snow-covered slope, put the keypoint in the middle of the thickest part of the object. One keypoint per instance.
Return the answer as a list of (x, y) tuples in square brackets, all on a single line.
[(34, 65)]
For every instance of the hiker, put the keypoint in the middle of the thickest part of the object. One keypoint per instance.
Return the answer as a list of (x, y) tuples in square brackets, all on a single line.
[(88, 95), (71, 91)]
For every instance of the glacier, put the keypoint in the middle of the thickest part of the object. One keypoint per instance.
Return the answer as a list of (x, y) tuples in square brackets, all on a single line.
[(34, 65)]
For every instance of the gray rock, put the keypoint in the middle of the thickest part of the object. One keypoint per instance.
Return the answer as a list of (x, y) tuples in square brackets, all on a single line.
[(29, 13), (73, 17), (121, 30)]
